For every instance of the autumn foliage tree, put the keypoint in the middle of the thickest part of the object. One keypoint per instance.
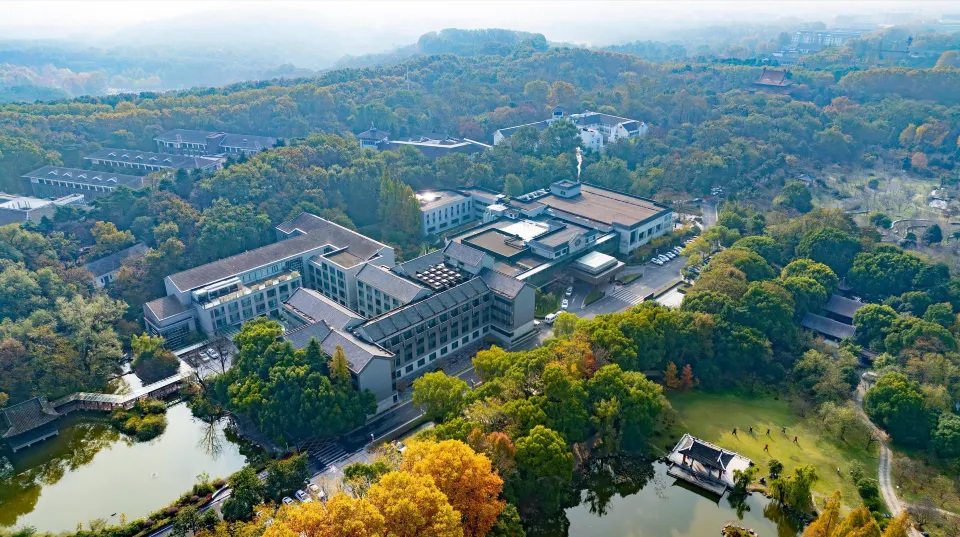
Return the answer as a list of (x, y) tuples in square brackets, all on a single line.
[(413, 506), (467, 478), (670, 379), (687, 380)]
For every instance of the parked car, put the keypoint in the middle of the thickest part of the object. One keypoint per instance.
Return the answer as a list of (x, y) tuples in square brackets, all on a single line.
[(536, 323), (213, 354), (677, 250), (671, 255), (550, 318), (663, 258), (287, 500), (303, 496), (204, 357), (569, 291), (564, 304), (317, 491), (656, 261)]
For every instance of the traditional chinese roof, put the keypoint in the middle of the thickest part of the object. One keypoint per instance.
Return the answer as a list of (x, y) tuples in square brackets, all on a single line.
[(705, 453), (26, 416)]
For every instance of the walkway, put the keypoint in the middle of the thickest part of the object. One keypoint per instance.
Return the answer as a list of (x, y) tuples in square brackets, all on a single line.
[(884, 477), (110, 401)]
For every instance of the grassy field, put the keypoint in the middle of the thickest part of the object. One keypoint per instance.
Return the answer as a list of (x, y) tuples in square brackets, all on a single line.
[(712, 417)]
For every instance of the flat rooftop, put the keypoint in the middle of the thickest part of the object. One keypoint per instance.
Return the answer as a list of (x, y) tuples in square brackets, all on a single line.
[(438, 198), (607, 206), (496, 241), (345, 259)]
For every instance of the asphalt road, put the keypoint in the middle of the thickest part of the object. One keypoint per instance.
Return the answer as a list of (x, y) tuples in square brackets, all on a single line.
[(709, 213)]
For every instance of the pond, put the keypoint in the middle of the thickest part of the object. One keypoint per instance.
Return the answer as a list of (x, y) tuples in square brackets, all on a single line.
[(638, 499), (91, 471)]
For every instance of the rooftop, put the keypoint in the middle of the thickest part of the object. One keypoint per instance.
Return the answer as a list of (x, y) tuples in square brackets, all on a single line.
[(419, 264), (314, 307), (773, 77), (300, 337), (21, 203), (595, 262), (464, 254), (843, 306), (252, 259), (607, 206), (438, 198), (359, 245), (380, 278), (22, 417), (221, 139), (248, 142), (345, 259), (166, 307), (112, 262), (439, 276), (86, 177), (403, 318), (497, 242), (359, 353), (501, 283), (827, 326), (373, 134), (163, 160), (562, 235)]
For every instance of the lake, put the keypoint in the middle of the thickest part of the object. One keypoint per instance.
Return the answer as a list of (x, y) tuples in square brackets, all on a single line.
[(91, 471), (638, 499)]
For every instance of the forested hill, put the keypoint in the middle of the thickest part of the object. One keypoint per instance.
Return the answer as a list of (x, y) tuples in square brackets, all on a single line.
[(708, 128), (451, 41)]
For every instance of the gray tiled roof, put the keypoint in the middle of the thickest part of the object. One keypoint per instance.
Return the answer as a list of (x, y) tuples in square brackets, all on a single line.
[(420, 263), (86, 177), (316, 307), (247, 261), (501, 283), (827, 326), (373, 134), (359, 353), (463, 253), (337, 235), (387, 282), (166, 307), (301, 336), (843, 306), (248, 141), (539, 125), (400, 319), (22, 417), (163, 160), (112, 262), (188, 136)]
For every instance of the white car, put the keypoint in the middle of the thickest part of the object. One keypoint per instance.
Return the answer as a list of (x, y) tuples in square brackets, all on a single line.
[(569, 291), (287, 500), (302, 496), (213, 354), (564, 304), (670, 255), (663, 258), (656, 261), (677, 250), (550, 318)]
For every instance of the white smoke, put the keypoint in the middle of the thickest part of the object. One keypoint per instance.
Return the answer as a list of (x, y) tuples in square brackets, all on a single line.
[(579, 162)]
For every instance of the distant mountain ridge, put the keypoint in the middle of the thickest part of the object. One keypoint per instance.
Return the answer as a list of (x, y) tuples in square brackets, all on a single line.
[(450, 41)]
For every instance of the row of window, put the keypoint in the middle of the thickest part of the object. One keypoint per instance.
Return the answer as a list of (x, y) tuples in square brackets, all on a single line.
[(411, 367)]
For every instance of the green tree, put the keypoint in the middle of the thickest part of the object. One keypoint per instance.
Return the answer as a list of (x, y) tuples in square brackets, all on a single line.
[(830, 246), (775, 468), (932, 235), (108, 239), (641, 401), (764, 246), (285, 476), (873, 321), (508, 524), (246, 492), (512, 186), (879, 220), (565, 324), (559, 137), (809, 268), (896, 404), (941, 314), (151, 361), (769, 308), (794, 490), (545, 465), (441, 397), (795, 195), (946, 437)]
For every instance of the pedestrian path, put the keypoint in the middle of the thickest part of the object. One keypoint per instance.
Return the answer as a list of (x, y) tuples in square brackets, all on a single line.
[(625, 295)]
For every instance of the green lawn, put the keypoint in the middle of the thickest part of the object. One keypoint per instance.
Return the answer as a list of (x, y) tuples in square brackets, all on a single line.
[(592, 297), (712, 417)]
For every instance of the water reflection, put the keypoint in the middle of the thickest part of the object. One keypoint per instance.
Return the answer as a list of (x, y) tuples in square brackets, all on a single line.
[(628, 497), (92, 471)]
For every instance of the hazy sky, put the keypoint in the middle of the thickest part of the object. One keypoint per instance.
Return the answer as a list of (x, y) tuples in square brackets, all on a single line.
[(578, 21)]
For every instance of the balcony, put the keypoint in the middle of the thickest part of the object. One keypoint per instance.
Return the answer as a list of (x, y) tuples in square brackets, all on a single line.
[(254, 288)]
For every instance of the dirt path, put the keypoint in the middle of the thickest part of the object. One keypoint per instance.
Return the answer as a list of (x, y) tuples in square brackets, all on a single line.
[(884, 476)]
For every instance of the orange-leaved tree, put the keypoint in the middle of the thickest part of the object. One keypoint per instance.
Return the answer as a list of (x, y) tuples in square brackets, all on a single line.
[(341, 516), (412, 506), (465, 476)]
